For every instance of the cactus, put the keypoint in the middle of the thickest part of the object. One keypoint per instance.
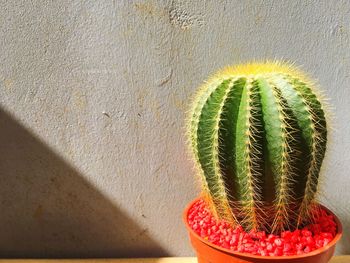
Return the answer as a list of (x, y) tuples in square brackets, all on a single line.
[(258, 135)]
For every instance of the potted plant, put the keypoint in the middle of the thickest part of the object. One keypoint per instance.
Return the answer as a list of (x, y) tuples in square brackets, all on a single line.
[(258, 134)]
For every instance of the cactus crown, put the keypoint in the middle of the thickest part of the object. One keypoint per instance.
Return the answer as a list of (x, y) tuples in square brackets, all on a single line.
[(258, 135)]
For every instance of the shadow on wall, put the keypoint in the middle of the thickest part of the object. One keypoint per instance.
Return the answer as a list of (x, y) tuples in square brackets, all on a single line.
[(344, 247), (49, 210)]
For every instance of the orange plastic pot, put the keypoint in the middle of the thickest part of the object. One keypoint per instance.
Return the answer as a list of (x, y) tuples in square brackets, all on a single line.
[(210, 253)]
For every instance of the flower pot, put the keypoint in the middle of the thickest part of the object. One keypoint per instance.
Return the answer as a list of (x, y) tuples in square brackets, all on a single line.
[(210, 253)]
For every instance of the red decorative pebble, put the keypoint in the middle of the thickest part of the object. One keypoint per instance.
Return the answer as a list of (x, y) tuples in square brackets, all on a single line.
[(288, 243)]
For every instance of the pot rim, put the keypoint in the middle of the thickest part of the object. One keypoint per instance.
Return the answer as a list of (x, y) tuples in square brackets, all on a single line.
[(227, 251)]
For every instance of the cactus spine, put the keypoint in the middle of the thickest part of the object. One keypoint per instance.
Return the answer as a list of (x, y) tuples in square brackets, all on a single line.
[(258, 134)]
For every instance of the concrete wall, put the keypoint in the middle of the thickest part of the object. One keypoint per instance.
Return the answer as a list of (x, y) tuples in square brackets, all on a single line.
[(93, 97)]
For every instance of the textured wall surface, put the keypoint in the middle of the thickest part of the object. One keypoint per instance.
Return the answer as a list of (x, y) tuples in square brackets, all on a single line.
[(92, 106)]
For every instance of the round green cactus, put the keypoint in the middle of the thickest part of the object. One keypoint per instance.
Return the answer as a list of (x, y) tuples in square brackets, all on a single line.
[(258, 133)]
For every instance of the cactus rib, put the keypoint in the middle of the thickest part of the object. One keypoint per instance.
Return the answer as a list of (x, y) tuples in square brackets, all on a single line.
[(248, 157), (195, 113), (317, 146)]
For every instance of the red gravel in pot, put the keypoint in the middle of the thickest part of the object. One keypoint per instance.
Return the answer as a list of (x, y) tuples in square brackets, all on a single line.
[(288, 243)]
